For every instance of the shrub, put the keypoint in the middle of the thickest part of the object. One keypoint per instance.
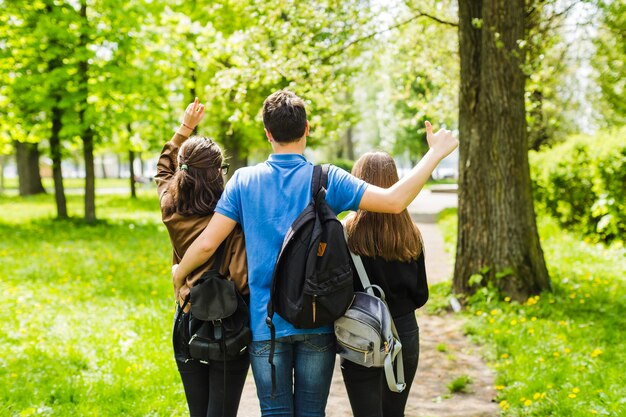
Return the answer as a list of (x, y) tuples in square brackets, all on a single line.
[(582, 183), (345, 164)]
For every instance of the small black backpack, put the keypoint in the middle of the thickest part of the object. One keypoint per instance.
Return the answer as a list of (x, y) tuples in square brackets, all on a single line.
[(312, 279)]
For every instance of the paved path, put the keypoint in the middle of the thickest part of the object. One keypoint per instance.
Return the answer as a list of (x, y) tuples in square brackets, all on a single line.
[(429, 396)]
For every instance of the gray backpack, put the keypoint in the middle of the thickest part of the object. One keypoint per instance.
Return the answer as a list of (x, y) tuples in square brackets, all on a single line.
[(366, 334)]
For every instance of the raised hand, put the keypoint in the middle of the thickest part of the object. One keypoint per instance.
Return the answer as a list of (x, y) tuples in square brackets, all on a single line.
[(442, 142), (194, 113)]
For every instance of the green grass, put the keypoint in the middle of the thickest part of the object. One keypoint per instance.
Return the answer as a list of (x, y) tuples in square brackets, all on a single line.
[(561, 353), (460, 384), (73, 183), (85, 325)]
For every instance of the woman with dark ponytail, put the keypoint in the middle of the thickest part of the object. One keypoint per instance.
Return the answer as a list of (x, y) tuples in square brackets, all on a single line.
[(190, 181)]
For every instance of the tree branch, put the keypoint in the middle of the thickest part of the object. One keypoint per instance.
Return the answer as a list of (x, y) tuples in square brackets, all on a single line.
[(388, 29)]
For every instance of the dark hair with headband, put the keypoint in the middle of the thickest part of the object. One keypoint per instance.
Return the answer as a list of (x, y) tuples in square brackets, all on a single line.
[(198, 184)]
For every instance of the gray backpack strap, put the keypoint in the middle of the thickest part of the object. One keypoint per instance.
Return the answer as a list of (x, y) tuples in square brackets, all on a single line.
[(395, 385)]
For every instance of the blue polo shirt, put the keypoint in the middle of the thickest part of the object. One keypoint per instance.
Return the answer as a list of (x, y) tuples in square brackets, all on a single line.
[(265, 199)]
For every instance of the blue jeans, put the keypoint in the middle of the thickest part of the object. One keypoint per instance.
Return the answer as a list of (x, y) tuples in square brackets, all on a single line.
[(304, 369)]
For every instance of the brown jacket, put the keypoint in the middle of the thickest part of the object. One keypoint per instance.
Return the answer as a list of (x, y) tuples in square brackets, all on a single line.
[(183, 230)]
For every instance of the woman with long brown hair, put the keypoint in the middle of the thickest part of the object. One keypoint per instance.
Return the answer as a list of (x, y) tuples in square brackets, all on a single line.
[(190, 181), (390, 246)]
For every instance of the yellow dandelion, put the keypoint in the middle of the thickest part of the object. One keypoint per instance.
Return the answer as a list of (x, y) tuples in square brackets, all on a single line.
[(504, 355), (500, 387), (504, 404), (522, 320), (507, 299), (571, 395), (556, 354), (594, 412), (575, 390), (596, 352), (513, 322), (567, 350), (531, 331), (536, 396), (479, 313), (527, 403), (541, 359), (496, 331), (494, 312), (492, 321), (582, 301), (543, 395), (533, 319)]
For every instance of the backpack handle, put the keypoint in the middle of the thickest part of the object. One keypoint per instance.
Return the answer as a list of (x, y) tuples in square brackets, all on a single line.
[(370, 289)]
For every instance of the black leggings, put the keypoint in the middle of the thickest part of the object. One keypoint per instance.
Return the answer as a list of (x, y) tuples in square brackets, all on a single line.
[(367, 387), (209, 392)]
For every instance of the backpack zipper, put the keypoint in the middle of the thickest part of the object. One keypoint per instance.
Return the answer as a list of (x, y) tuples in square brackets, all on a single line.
[(314, 308), (365, 352)]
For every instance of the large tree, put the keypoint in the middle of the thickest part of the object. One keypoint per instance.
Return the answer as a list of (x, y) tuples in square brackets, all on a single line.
[(497, 237)]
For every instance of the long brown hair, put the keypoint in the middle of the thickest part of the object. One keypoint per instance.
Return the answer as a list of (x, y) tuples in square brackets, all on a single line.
[(393, 237), (198, 183)]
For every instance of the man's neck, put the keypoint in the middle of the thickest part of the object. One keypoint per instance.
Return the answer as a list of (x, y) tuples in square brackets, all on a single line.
[(292, 147)]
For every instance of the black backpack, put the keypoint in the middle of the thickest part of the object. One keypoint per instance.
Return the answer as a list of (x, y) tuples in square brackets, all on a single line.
[(312, 279)]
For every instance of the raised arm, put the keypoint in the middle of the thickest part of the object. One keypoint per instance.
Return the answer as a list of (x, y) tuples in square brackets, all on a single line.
[(168, 161), (397, 197), (202, 248)]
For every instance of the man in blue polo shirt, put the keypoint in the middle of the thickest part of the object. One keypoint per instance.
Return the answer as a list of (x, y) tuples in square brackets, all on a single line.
[(265, 199)]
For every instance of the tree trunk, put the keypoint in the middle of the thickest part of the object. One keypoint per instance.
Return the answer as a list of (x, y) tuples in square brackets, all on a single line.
[(131, 161), (27, 158), (349, 142), (232, 150), (103, 167), (497, 235), (55, 154), (88, 133), (90, 177)]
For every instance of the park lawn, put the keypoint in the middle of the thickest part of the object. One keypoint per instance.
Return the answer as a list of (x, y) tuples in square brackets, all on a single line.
[(11, 184), (560, 353), (86, 323)]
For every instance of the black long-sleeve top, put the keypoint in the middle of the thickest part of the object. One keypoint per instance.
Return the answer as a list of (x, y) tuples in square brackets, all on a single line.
[(404, 283)]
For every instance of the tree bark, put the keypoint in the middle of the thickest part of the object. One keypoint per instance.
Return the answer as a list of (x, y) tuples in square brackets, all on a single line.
[(131, 161), (349, 142), (88, 133), (27, 158), (55, 154), (234, 154), (103, 167), (497, 235)]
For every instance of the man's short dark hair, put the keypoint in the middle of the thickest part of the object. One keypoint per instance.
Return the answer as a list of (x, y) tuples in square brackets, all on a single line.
[(284, 116)]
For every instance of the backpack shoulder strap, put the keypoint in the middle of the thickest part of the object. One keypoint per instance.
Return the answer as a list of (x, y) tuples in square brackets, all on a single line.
[(324, 176), (319, 179), (360, 269), (219, 256)]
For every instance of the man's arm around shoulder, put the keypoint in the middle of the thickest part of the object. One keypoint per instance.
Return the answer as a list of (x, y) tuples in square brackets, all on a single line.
[(202, 248)]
